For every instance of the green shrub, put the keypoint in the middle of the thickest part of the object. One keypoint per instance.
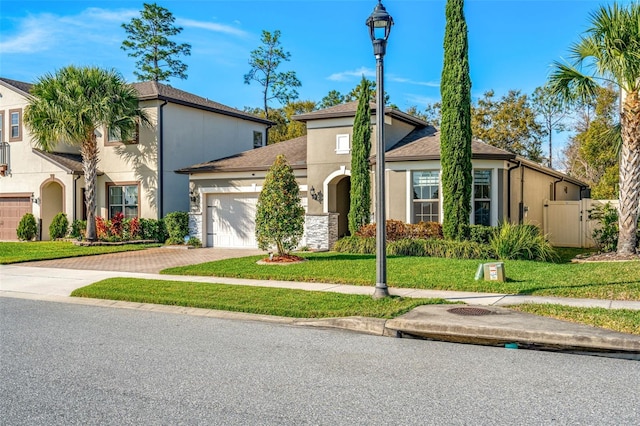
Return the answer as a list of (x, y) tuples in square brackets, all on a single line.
[(27, 228), (153, 229), (194, 242), (59, 226), (605, 237), (398, 230), (481, 234), (78, 229), (417, 247), (177, 224), (522, 242), (356, 244)]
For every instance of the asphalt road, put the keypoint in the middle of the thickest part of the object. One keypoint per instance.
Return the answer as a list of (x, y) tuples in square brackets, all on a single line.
[(70, 364)]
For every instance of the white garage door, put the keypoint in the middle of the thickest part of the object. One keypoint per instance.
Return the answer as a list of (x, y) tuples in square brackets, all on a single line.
[(231, 220)]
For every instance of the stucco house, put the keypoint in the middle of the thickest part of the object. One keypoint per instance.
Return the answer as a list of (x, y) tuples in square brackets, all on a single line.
[(506, 187), (135, 177)]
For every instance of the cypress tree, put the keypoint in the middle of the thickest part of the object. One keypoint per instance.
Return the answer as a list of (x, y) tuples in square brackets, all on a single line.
[(455, 128), (360, 207)]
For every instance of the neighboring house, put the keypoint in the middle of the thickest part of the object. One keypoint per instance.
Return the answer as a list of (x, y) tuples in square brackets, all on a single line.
[(505, 188), (135, 177)]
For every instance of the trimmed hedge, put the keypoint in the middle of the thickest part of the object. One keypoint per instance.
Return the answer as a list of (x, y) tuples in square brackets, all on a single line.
[(417, 247), (398, 230)]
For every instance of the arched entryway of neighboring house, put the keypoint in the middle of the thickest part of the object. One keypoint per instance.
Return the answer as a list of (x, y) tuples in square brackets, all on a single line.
[(51, 203), (337, 187)]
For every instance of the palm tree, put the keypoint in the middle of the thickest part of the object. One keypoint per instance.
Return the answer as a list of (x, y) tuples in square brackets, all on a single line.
[(610, 50), (71, 106)]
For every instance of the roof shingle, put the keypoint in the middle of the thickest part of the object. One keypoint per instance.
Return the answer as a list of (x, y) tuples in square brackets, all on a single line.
[(258, 159)]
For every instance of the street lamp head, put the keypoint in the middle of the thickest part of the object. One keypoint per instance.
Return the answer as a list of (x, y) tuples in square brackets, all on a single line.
[(379, 23)]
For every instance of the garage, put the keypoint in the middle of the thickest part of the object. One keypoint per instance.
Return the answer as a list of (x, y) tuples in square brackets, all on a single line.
[(12, 208), (231, 220)]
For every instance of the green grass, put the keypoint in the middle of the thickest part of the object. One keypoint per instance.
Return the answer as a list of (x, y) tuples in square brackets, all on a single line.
[(622, 320), (617, 281), (14, 252), (257, 300)]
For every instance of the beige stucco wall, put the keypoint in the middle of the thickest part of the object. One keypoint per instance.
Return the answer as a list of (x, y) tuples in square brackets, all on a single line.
[(30, 173), (532, 187)]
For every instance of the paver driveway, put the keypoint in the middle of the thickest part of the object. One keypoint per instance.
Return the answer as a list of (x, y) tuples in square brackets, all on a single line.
[(151, 260)]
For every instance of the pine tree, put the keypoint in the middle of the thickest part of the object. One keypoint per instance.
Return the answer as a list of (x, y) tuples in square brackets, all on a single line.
[(360, 209), (455, 131), (279, 213), (147, 38)]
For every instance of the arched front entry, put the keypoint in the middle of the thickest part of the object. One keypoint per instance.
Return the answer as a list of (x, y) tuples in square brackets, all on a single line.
[(338, 200), (51, 203)]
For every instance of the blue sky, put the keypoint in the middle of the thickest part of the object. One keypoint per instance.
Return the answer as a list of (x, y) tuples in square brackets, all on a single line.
[(511, 42)]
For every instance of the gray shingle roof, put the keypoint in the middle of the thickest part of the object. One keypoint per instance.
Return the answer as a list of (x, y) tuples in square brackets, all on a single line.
[(70, 163), (20, 85), (424, 144), (258, 159), (152, 90), (349, 110)]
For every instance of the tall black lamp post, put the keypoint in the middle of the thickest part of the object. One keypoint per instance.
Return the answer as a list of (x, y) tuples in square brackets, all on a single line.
[(379, 23)]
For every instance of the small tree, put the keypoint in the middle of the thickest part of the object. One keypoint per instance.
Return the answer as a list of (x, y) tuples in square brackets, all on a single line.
[(279, 213), (359, 210), (147, 39)]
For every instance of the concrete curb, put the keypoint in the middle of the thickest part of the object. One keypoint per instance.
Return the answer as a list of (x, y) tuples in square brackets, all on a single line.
[(503, 326)]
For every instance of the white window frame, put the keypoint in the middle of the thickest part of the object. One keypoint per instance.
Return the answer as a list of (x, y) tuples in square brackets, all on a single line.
[(124, 204), (483, 199), (343, 144), (256, 139), (413, 201)]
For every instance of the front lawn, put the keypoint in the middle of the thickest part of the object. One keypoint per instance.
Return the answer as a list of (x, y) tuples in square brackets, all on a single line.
[(14, 252), (622, 320), (616, 280), (256, 300)]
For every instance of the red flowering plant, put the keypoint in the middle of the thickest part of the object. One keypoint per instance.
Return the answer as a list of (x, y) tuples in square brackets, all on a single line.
[(116, 226)]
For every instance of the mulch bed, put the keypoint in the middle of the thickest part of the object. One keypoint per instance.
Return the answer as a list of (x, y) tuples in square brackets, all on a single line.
[(286, 259), (606, 257)]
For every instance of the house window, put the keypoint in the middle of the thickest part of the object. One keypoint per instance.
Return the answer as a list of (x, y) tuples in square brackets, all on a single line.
[(123, 199), (1, 126), (114, 137), (15, 125), (482, 197), (426, 196), (257, 139), (342, 144)]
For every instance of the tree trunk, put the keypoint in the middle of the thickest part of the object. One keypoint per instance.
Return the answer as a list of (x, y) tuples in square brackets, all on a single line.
[(89, 151), (629, 175)]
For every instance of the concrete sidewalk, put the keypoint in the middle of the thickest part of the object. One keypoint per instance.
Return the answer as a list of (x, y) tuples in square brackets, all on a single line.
[(482, 321)]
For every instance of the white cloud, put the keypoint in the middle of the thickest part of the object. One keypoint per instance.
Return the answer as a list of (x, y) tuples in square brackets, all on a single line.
[(413, 99), (416, 83), (211, 26), (346, 75), (118, 16), (35, 34)]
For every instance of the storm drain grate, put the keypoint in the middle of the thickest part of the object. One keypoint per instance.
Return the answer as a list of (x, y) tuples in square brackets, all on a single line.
[(469, 311)]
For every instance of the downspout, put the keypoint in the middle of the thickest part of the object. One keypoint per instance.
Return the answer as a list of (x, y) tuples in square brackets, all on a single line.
[(160, 162), (75, 196), (509, 188), (521, 205), (555, 197)]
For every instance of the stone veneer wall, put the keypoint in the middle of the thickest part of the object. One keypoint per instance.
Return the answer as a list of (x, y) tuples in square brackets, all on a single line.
[(321, 230), (195, 226)]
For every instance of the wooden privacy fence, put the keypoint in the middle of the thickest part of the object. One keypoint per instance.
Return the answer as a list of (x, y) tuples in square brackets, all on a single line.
[(567, 223)]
